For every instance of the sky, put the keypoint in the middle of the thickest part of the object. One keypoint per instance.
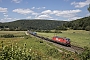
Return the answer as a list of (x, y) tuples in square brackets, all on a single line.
[(63, 10)]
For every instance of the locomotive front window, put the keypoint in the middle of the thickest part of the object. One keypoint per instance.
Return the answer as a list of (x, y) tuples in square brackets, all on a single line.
[(68, 39)]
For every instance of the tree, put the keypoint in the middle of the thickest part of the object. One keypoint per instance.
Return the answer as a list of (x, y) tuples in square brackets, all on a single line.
[(89, 8), (87, 28), (60, 28)]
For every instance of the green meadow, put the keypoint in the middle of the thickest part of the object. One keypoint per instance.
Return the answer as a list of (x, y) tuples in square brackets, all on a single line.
[(77, 37), (16, 33), (37, 46), (19, 36), (43, 49)]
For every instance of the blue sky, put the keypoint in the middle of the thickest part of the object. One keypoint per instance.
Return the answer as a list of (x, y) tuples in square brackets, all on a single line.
[(66, 10)]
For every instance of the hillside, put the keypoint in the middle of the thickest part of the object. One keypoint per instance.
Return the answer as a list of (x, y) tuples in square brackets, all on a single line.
[(36, 24), (79, 24), (31, 24)]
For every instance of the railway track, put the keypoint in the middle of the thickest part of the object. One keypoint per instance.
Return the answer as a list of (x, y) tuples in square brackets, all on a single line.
[(73, 48)]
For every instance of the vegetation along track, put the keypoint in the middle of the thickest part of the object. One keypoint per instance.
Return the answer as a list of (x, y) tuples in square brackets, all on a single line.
[(73, 48)]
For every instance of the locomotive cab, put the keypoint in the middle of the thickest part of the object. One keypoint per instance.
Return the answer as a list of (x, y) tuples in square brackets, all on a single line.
[(61, 40), (68, 42)]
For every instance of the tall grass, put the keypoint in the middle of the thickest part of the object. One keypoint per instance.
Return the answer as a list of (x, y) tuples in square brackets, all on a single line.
[(15, 52)]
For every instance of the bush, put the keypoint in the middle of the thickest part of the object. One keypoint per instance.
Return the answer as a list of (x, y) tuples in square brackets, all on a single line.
[(53, 52), (87, 28), (58, 31), (41, 41), (8, 36), (86, 54)]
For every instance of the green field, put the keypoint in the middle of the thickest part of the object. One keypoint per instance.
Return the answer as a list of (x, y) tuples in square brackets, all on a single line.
[(44, 49), (78, 37), (16, 33), (36, 45), (8, 41)]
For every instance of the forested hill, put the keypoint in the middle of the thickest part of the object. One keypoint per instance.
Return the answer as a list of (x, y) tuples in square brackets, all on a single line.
[(79, 24), (31, 24)]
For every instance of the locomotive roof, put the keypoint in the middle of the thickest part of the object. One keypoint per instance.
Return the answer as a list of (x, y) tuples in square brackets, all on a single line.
[(62, 37)]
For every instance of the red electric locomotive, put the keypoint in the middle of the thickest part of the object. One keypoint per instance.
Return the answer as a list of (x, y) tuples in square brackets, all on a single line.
[(61, 40)]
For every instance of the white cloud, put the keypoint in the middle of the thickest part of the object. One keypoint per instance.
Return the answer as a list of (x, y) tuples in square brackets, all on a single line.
[(3, 9), (53, 19), (23, 11), (43, 7), (81, 4), (73, 18), (17, 1), (47, 12), (6, 15), (35, 13), (43, 17), (28, 17), (8, 19), (66, 13), (69, 15), (33, 8), (38, 8)]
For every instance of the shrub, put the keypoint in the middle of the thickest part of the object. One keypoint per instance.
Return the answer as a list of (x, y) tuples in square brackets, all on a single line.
[(8, 36), (57, 31), (86, 54), (41, 41), (87, 28), (53, 52)]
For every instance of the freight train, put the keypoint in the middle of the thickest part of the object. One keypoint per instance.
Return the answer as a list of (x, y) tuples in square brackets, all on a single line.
[(56, 39)]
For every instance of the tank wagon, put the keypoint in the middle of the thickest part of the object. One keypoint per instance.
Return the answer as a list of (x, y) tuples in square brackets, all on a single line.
[(32, 33), (61, 40)]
